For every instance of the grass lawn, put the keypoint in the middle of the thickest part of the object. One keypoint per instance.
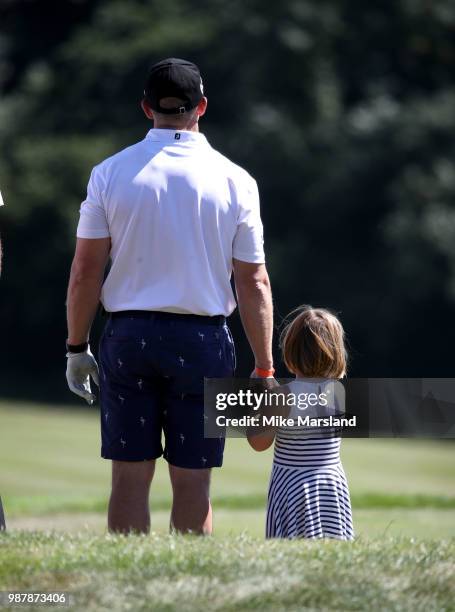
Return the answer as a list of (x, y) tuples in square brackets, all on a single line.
[(51, 478), (370, 522), (163, 573), (50, 466)]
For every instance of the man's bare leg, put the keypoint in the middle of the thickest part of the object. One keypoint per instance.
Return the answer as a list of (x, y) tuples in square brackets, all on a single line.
[(129, 501), (191, 508)]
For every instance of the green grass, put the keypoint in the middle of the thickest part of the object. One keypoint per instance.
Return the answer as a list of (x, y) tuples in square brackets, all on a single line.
[(51, 478), (50, 466), (422, 523), (163, 573), (38, 505)]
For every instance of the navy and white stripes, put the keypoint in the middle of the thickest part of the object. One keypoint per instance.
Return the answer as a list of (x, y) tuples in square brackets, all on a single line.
[(309, 503), (299, 447)]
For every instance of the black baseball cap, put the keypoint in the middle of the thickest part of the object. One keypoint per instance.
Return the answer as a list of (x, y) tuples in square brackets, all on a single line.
[(174, 78)]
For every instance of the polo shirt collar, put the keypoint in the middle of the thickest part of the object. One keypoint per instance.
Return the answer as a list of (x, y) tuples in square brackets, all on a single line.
[(160, 135)]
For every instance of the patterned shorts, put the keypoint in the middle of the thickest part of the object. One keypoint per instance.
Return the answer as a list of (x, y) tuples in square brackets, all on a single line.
[(152, 369)]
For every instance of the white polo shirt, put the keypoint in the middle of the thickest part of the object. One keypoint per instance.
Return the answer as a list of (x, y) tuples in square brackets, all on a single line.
[(177, 212)]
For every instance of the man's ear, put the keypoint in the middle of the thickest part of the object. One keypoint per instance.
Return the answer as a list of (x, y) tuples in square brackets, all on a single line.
[(202, 107), (147, 110)]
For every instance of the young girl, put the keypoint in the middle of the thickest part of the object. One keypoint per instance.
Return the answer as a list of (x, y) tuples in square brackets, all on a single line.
[(308, 493)]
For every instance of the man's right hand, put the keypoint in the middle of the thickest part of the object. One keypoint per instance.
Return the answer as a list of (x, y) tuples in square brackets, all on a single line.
[(80, 366)]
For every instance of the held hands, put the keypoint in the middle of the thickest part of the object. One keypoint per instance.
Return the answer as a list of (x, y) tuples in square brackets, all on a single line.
[(261, 437), (267, 375), (79, 368)]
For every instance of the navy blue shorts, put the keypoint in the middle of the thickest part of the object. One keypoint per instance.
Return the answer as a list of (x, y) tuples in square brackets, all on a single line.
[(152, 369)]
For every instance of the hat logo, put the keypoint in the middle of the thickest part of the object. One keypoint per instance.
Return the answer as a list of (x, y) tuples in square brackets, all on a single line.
[(177, 136)]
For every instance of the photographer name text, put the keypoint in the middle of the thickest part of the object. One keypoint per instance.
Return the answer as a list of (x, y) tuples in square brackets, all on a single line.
[(280, 421)]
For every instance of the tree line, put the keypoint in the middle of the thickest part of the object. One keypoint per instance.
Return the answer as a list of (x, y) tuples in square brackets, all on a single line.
[(342, 111)]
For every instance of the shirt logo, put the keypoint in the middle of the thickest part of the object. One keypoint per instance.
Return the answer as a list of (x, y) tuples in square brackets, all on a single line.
[(177, 136)]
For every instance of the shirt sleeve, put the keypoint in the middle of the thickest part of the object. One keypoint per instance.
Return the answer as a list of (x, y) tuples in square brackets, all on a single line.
[(248, 244), (93, 221)]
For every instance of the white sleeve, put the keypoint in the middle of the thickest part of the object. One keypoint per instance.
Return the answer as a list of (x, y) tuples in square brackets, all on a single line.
[(93, 221), (1, 199), (248, 244)]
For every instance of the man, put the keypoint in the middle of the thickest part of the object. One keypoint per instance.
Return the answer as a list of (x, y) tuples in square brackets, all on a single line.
[(175, 218)]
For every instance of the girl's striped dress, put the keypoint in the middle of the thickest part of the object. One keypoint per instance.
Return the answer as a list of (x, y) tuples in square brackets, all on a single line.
[(308, 492)]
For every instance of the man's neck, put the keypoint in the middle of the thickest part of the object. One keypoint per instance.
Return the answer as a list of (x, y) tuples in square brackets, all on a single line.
[(164, 126)]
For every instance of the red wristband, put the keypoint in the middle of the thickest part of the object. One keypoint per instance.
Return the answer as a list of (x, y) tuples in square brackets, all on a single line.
[(264, 373)]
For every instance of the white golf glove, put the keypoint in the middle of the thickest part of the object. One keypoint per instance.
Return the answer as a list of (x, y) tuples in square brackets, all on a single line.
[(79, 368)]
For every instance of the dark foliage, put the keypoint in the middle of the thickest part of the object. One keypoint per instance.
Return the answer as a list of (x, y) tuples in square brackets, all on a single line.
[(343, 111)]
